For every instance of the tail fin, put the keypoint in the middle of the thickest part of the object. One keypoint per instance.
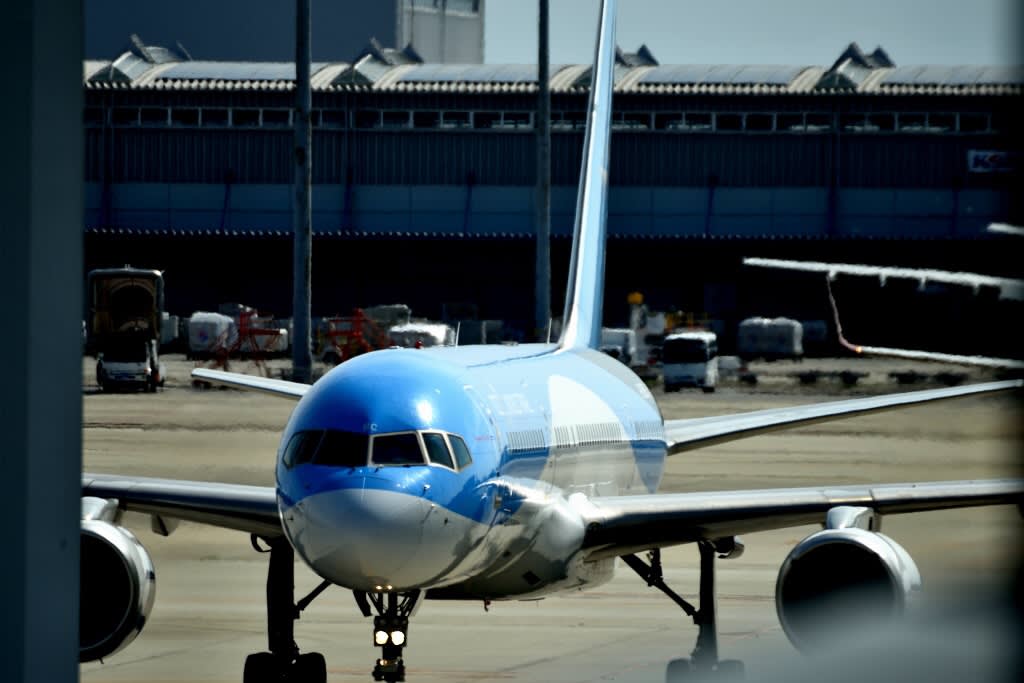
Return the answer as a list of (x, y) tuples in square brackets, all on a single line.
[(584, 298)]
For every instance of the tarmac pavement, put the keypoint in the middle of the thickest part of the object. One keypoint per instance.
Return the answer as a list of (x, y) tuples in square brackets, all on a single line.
[(210, 611)]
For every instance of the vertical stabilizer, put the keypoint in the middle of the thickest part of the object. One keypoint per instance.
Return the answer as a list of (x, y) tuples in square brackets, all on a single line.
[(585, 295)]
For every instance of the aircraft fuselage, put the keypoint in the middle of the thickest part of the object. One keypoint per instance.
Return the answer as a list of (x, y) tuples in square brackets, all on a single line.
[(376, 494)]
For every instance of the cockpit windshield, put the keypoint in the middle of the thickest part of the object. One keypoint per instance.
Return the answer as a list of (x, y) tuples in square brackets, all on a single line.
[(342, 449), (397, 449), (339, 448), (462, 456), (437, 449), (331, 448)]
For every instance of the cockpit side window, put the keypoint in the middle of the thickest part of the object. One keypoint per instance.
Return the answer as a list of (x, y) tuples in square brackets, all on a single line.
[(437, 449), (301, 448), (342, 449), (462, 456), (397, 449)]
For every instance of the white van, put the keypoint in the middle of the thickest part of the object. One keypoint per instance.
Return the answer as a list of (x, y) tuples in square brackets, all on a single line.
[(619, 343), (690, 359)]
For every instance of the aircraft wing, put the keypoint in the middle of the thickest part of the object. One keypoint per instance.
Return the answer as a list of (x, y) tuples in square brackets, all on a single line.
[(252, 509), (1006, 229), (625, 524), (1009, 288), (275, 387), (689, 434), (911, 354)]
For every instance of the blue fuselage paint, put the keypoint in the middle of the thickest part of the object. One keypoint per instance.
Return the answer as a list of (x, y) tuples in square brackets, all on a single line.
[(542, 424)]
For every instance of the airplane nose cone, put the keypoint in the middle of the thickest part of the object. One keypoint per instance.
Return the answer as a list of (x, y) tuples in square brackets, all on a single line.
[(367, 536)]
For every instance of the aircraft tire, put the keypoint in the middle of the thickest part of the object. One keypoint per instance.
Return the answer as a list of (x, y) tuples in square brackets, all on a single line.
[(309, 668), (730, 670), (679, 670), (708, 390), (261, 667), (726, 671)]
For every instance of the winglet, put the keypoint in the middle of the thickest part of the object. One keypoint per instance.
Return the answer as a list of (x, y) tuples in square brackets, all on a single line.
[(584, 298)]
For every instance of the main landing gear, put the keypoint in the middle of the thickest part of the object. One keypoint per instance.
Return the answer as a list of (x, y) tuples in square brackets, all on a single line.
[(283, 663), (703, 662), (390, 629)]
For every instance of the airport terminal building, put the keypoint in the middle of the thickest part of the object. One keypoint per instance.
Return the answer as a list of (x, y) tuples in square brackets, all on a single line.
[(424, 175)]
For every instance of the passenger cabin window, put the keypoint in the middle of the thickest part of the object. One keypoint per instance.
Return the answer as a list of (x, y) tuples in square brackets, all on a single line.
[(437, 449), (462, 456), (397, 449)]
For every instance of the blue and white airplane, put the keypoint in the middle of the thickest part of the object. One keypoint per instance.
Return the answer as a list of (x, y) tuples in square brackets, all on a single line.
[(497, 472)]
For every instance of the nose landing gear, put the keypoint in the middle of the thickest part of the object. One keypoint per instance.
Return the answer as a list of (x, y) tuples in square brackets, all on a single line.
[(390, 629)]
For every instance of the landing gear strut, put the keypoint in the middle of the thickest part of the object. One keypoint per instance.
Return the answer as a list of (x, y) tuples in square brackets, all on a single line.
[(703, 660), (390, 629), (283, 663)]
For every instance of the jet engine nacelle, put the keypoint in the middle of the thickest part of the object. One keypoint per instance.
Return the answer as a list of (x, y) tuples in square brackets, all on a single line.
[(837, 578), (117, 587)]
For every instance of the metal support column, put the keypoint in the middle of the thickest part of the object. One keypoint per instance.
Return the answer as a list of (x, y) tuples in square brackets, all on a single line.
[(542, 287), (41, 297), (302, 216)]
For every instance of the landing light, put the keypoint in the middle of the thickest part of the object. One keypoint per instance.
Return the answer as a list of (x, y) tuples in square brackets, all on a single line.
[(390, 631)]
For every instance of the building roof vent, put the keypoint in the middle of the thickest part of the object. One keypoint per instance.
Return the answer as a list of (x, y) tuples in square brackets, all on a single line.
[(642, 57), (853, 68), (853, 54)]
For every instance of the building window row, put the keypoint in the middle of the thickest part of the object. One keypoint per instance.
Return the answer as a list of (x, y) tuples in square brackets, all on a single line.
[(681, 121), (466, 6)]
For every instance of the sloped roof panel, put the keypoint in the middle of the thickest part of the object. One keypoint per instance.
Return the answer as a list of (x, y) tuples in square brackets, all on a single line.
[(234, 71), (129, 67), (91, 67), (473, 73), (953, 75), (372, 71), (724, 74)]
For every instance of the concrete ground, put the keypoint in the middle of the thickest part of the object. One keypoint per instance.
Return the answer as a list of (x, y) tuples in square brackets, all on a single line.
[(209, 611)]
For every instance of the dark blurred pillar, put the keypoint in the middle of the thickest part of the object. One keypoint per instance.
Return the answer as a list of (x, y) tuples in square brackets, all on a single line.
[(41, 212), (302, 219)]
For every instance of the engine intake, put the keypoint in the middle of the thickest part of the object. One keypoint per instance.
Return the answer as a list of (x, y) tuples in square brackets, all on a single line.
[(837, 576), (118, 586)]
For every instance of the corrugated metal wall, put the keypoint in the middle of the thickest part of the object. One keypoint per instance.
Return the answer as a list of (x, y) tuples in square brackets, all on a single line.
[(508, 158)]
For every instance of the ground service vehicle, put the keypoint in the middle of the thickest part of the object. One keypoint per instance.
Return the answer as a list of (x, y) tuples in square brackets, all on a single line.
[(125, 324), (620, 343), (770, 338), (690, 359)]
